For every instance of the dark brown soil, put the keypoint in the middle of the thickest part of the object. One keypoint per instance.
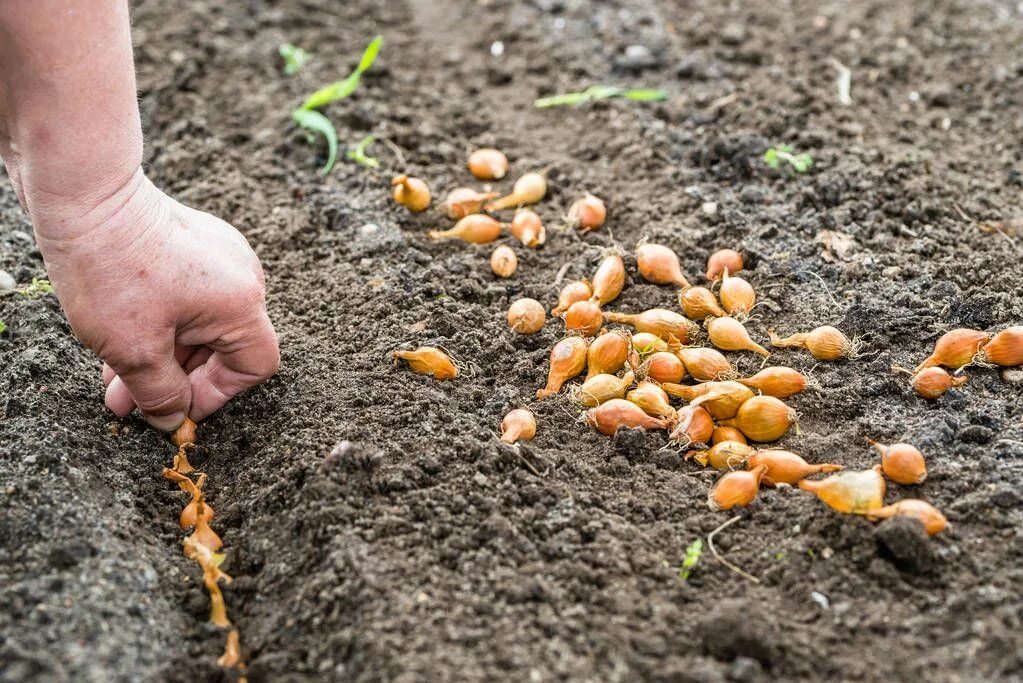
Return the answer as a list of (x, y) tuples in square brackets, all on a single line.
[(376, 527)]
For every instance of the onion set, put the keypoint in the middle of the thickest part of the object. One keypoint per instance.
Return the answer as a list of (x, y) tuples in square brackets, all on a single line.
[(778, 381), (412, 193), (568, 360), (475, 228), (663, 366), (652, 399), (609, 279), (903, 463), (934, 522), (955, 348), (692, 426), (1005, 348), (934, 382), (731, 335), (660, 265), (579, 290), (428, 360), (611, 416), (705, 365), (736, 489), (737, 295), (785, 467), (607, 354), (527, 228), (723, 261), (856, 492), (824, 343), (583, 317), (526, 316), (602, 388), (670, 326), (518, 425), (763, 418), (529, 189), (463, 201), (587, 213), (503, 261), (488, 164), (699, 303)]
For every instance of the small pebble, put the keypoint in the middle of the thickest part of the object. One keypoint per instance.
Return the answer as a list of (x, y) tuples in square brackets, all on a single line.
[(710, 208), (7, 282), (820, 599)]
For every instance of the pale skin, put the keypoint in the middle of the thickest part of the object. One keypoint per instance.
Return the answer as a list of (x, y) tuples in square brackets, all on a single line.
[(170, 298)]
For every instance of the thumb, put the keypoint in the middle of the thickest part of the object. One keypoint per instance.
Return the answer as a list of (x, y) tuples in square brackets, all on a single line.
[(234, 366), (156, 384)]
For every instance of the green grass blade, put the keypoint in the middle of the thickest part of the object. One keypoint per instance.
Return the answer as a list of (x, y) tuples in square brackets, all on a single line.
[(317, 122), (369, 55), (339, 90), (602, 92), (645, 95), (563, 100)]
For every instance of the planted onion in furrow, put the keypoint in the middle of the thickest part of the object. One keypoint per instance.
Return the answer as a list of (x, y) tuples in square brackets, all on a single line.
[(428, 360)]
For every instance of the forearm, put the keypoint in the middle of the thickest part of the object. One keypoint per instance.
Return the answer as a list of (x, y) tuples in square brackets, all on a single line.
[(70, 133)]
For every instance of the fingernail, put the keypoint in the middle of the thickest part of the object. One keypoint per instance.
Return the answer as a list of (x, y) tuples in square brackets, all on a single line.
[(166, 423)]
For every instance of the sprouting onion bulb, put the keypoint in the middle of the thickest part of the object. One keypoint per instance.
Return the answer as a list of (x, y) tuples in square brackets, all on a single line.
[(664, 366), (475, 228), (785, 467), (428, 360), (724, 399), (529, 189), (488, 164), (727, 434), (670, 326), (731, 335), (699, 303), (503, 261), (526, 316), (652, 399), (527, 228), (602, 388), (568, 360), (412, 193), (934, 522), (706, 365), (726, 455), (1005, 348), (763, 418), (587, 213), (579, 290), (934, 382), (185, 434), (721, 261), (463, 201), (660, 265), (647, 343), (736, 489), (609, 279), (777, 381), (692, 426), (856, 492), (737, 295), (824, 343), (903, 463), (611, 416), (607, 354), (583, 317), (955, 348), (518, 425)]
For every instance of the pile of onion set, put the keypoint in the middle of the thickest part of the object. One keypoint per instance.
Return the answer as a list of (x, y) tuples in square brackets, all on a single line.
[(653, 369)]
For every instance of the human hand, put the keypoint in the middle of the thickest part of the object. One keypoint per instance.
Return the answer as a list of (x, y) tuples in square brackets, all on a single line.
[(172, 300)]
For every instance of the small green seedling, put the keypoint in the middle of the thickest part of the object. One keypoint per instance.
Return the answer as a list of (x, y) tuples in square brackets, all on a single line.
[(800, 163), (37, 288), (294, 58), (600, 92), (358, 153), (3, 327), (306, 116), (693, 552)]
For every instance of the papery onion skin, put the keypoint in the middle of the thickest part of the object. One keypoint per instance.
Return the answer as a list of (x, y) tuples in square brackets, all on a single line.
[(854, 492), (607, 354), (699, 303), (934, 522), (579, 290), (518, 425), (488, 163), (660, 265), (763, 418), (724, 399), (568, 360), (692, 426), (475, 228), (588, 213), (722, 260), (185, 434), (609, 279), (1005, 348), (778, 381), (611, 416), (736, 489), (526, 316), (503, 261), (785, 467), (583, 317), (903, 463), (429, 360), (934, 382), (412, 193), (955, 348)]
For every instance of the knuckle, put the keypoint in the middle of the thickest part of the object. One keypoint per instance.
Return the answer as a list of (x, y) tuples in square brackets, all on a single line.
[(165, 402)]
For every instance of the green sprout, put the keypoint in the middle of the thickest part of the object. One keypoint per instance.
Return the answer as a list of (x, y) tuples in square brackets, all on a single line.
[(800, 163), (37, 288), (3, 327), (294, 58), (358, 153), (693, 552), (311, 120), (600, 92)]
